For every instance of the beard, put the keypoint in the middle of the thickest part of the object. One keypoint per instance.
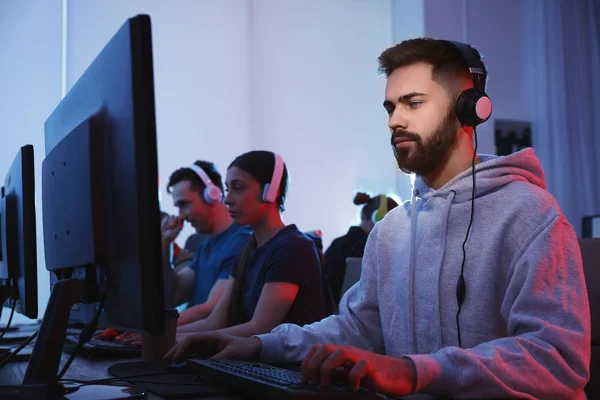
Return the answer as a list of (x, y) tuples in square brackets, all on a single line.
[(427, 156)]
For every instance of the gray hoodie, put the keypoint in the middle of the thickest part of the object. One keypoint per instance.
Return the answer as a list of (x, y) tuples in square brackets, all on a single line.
[(525, 321)]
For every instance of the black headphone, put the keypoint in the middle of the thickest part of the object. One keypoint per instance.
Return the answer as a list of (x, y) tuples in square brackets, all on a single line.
[(473, 105)]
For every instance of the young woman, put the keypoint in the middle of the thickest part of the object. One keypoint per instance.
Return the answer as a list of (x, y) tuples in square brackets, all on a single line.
[(277, 278)]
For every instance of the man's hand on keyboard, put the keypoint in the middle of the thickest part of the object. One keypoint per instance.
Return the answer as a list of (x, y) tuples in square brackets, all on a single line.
[(134, 339), (111, 335), (215, 345), (108, 334), (383, 374)]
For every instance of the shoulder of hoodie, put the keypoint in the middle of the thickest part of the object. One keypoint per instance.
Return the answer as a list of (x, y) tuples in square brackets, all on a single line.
[(532, 207), (528, 204), (531, 199)]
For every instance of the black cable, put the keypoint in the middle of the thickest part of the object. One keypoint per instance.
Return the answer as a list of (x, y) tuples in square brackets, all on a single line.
[(12, 312), (86, 334), (18, 349), (461, 287)]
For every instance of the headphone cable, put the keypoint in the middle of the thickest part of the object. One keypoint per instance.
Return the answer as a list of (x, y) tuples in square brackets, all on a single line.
[(461, 287)]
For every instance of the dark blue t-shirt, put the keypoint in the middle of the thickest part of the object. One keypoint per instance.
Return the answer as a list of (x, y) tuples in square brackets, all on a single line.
[(215, 258), (291, 257)]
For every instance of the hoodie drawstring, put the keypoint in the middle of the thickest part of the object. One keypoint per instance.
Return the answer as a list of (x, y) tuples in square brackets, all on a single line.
[(411, 272), (444, 232)]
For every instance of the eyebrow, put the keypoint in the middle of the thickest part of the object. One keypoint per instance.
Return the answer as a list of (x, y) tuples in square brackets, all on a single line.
[(404, 98), (234, 181)]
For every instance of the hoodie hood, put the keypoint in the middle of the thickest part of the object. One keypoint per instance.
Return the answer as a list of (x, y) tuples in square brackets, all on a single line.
[(491, 173)]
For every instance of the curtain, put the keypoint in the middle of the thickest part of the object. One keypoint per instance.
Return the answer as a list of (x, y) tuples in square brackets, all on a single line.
[(563, 74)]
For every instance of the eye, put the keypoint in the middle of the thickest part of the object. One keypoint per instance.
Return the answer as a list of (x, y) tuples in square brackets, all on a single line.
[(389, 110), (414, 104), (235, 188)]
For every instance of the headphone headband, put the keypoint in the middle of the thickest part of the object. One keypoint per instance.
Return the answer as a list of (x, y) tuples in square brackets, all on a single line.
[(270, 190), (212, 193), (473, 63)]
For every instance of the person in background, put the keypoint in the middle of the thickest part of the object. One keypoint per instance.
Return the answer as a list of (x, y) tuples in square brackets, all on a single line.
[(197, 192), (278, 277), (352, 244)]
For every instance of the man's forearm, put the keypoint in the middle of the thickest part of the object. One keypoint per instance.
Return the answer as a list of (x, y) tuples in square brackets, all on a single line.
[(195, 313), (245, 330), (203, 325)]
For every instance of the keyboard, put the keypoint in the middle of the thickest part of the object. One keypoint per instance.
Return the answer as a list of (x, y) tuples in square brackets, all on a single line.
[(263, 380), (97, 348)]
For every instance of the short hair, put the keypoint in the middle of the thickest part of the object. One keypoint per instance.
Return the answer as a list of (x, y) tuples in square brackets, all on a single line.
[(187, 174), (449, 66)]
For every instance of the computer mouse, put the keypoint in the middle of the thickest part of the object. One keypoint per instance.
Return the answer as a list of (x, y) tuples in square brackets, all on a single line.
[(177, 367)]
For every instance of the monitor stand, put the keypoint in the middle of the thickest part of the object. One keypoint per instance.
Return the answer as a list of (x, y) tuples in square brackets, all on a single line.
[(4, 295), (40, 381)]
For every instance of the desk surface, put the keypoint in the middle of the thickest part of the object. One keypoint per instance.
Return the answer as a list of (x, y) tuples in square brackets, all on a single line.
[(86, 369), (81, 369)]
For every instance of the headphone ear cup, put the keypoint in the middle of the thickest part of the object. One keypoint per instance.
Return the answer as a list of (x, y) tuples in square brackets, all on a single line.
[(265, 194), (212, 194), (381, 210), (473, 107)]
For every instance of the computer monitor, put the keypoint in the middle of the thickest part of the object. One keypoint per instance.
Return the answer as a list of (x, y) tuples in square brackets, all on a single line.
[(590, 226), (100, 205), (18, 254)]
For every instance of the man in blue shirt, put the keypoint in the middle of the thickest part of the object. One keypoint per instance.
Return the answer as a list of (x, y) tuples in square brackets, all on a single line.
[(197, 192)]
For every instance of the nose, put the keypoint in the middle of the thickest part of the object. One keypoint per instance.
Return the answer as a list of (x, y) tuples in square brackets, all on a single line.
[(398, 120), (227, 199)]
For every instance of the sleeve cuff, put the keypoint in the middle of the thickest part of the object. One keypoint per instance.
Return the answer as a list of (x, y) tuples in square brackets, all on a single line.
[(272, 348), (428, 370)]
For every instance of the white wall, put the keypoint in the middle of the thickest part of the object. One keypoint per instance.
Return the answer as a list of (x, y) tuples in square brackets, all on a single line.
[(201, 79), (316, 99), (297, 77), (30, 59)]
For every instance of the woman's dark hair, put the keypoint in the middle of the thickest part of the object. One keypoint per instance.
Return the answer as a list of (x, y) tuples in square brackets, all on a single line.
[(259, 164), (371, 204)]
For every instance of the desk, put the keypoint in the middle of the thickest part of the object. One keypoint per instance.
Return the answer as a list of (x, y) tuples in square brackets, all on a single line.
[(81, 369), (84, 369)]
